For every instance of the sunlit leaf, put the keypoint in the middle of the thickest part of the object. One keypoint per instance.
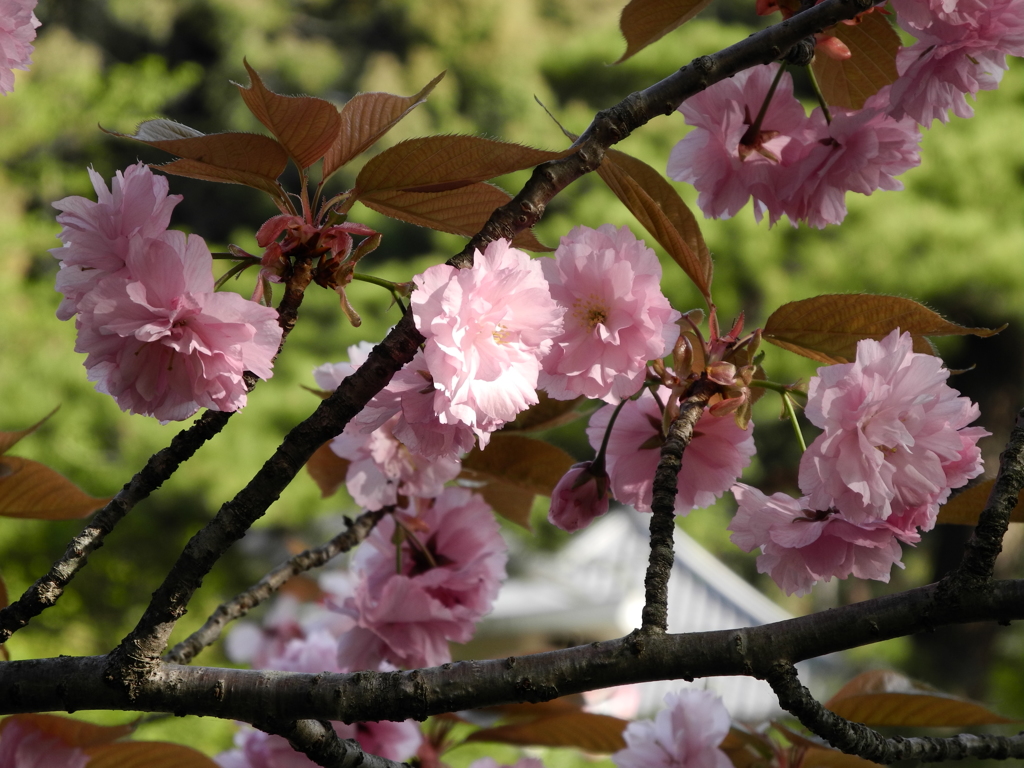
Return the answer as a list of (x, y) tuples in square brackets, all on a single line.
[(367, 117), (327, 469), (305, 126), (873, 45), (462, 211), (884, 698), (965, 508), (827, 328), (8, 439), (658, 207), (439, 163), (746, 749), (822, 757), (33, 490), (74, 733), (644, 21), (147, 754), (582, 730), (548, 413), (510, 501)]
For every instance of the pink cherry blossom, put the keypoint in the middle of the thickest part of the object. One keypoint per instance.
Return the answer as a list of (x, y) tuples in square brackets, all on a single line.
[(895, 434), (22, 745), (800, 547), (724, 163), (687, 733), (161, 343), (18, 25), (579, 497), (616, 317), (957, 53), (446, 582), (96, 235), (713, 460), (487, 329)]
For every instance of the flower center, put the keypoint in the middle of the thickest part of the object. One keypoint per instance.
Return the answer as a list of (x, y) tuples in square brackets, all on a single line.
[(499, 334), (589, 312)]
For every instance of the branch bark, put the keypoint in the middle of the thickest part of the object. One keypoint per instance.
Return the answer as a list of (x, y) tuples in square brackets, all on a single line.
[(320, 743)]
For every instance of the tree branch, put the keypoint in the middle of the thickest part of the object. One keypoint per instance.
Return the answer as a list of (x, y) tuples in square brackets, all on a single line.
[(320, 743), (857, 739), (244, 602), (663, 505)]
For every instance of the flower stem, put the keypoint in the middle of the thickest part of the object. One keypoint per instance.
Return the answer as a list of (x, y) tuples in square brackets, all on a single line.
[(787, 403), (755, 127), (819, 95)]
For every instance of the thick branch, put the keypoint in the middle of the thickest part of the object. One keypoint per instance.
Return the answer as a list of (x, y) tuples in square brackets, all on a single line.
[(244, 602), (663, 506), (321, 744), (857, 739)]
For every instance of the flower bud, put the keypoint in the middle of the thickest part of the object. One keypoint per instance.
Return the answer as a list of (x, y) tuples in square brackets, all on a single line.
[(580, 496)]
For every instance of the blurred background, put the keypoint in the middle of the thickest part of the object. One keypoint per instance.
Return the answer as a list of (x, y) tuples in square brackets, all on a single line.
[(953, 240)]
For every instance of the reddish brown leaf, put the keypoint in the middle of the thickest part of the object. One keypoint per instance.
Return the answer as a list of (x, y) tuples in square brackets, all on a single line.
[(33, 490), (305, 126), (74, 733), (582, 730), (746, 749), (327, 469), (532, 465), (535, 710), (147, 754), (644, 21), (367, 117), (882, 697), (965, 508), (439, 163), (8, 439), (4, 599), (462, 211), (873, 44), (657, 206), (546, 414), (827, 328), (822, 757), (511, 502)]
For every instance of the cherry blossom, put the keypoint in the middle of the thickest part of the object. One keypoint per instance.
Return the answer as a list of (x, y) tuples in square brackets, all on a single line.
[(18, 25), (726, 164), (96, 235), (22, 745), (446, 581), (715, 457), (487, 329), (256, 749), (685, 734), (800, 546), (579, 497), (616, 317), (161, 343), (895, 434)]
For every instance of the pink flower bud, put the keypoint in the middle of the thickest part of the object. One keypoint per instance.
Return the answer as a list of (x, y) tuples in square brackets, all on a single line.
[(580, 496)]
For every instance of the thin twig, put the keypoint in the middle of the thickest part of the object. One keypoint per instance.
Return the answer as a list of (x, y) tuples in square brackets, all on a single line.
[(244, 602), (857, 739), (320, 743)]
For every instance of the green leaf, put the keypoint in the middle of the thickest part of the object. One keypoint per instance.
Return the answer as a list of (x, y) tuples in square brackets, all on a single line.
[(305, 126), (367, 117), (439, 163), (644, 21), (966, 507), (33, 490), (885, 698), (462, 211), (827, 328), (658, 207), (581, 730), (873, 45)]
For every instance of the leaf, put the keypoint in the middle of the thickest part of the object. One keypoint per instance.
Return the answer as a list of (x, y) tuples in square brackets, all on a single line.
[(305, 126), (873, 45), (827, 328), (657, 206), (546, 414), (511, 502), (822, 757), (147, 754), (644, 21), (965, 508), (74, 733), (439, 163), (327, 469), (367, 117), (33, 490), (746, 749), (582, 730), (462, 211), (8, 439), (234, 158), (882, 697)]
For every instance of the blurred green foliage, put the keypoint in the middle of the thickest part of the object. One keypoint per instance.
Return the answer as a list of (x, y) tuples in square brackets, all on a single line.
[(954, 239)]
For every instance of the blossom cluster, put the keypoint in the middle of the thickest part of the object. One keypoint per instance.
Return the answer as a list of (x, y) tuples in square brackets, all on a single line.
[(159, 340), (687, 732), (18, 25), (896, 440), (802, 166)]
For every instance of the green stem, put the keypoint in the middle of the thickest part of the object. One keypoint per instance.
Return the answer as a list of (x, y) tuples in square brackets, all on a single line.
[(775, 386), (819, 95), (787, 402)]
